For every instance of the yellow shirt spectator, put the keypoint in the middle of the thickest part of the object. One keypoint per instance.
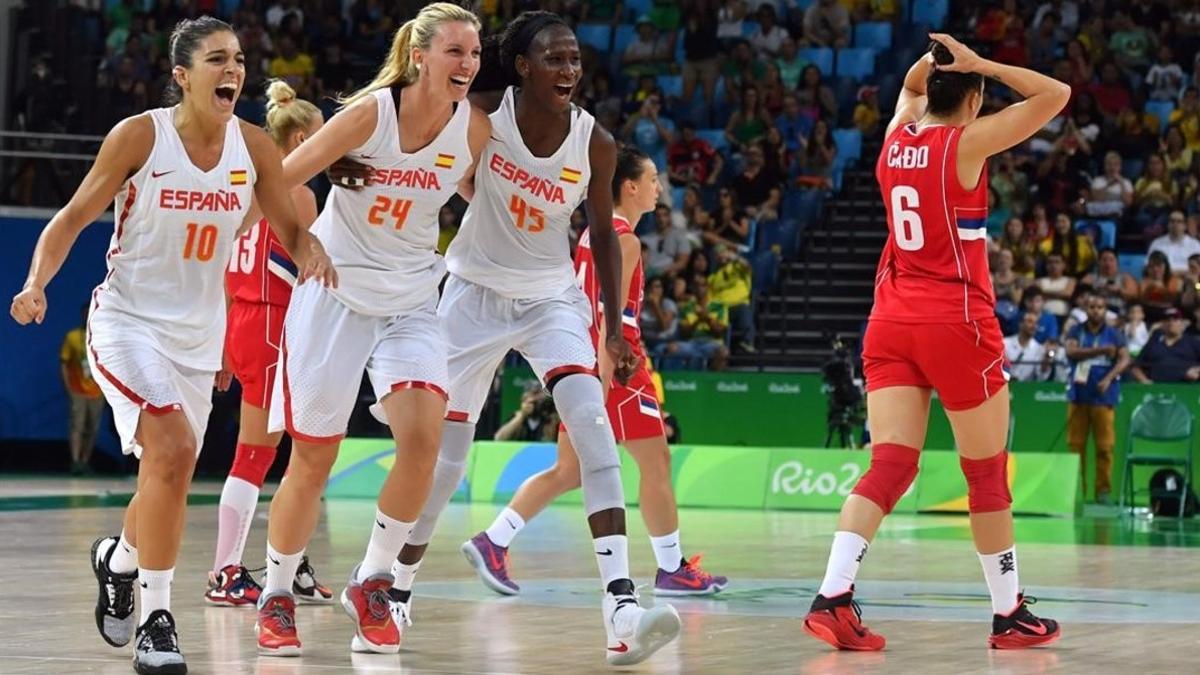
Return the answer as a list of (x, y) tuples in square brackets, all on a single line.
[(76, 371)]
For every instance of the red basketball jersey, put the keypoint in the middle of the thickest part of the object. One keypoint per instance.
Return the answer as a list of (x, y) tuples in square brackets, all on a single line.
[(260, 270), (934, 265), (585, 274)]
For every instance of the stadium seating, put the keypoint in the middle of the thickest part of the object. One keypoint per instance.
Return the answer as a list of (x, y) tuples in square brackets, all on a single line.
[(875, 35), (855, 62)]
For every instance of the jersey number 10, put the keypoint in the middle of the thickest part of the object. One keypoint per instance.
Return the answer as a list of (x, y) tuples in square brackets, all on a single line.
[(201, 242), (906, 222)]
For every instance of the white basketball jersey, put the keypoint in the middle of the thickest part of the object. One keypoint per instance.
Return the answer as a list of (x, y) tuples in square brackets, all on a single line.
[(174, 233), (383, 238), (514, 236)]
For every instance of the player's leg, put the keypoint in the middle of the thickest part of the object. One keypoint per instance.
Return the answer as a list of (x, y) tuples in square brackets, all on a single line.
[(558, 347), (408, 371), (981, 433), (488, 551), (313, 398)]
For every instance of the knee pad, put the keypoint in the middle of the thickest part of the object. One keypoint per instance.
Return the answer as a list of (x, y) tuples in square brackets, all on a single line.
[(987, 483), (252, 462), (893, 468), (580, 403)]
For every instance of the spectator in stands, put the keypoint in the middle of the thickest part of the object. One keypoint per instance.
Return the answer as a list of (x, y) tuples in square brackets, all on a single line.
[(772, 89), (1170, 355), (741, 70), (659, 319), (1058, 287), (1134, 329), (1177, 245), (1044, 42), (756, 188), (730, 227), (333, 73), (1187, 117), (650, 130), (1189, 297), (448, 222), (281, 9), (767, 39), (778, 161), (827, 24), (701, 50), (749, 122), (704, 323), (1130, 43), (294, 67), (1007, 286), (731, 21), (794, 126), (1078, 314), (816, 99), (730, 285), (1047, 325), (790, 63), (86, 403), (1022, 246), (1159, 290), (1176, 153), (669, 248), (601, 11), (534, 420), (816, 160), (126, 95), (1027, 357), (1082, 70), (1010, 183), (372, 26), (1111, 92), (1011, 48), (1111, 193), (881, 10), (1098, 356), (1067, 12), (691, 159), (867, 113), (1165, 79), (1093, 38), (1137, 129), (994, 20), (1154, 195), (1150, 14), (648, 54), (1109, 282)]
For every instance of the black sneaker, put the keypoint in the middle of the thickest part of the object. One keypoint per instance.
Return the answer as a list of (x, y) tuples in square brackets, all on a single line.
[(157, 648), (1020, 629), (305, 586), (114, 605)]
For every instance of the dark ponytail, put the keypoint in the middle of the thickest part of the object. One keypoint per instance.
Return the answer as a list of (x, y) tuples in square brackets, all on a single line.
[(630, 166), (947, 90), (185, 40)]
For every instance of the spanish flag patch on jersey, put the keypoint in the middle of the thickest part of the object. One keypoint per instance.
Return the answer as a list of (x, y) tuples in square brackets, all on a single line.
[(238, 177), (444, 161), (570, 175)]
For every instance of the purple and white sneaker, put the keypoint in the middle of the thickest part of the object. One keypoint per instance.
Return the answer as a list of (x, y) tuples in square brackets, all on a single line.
[(689, 579), (491, 564)]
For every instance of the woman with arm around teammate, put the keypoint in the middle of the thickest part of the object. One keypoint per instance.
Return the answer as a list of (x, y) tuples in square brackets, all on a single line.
[(933, 328), (182, 178), (421, 139), (259, 282)]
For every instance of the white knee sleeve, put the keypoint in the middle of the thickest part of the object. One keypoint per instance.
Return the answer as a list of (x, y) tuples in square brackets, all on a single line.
[(580, 403)]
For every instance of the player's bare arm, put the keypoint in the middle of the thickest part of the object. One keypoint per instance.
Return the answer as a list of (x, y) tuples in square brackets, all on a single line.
[(478, 134), (124, 151), (348, 129)]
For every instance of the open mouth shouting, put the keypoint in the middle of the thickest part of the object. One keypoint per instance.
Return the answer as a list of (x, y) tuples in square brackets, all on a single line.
[(564, 91), (226, 94)]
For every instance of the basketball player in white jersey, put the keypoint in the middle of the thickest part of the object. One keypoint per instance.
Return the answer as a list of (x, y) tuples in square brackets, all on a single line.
[(259, 283), (413, 126), (183, 178), (512, 286)]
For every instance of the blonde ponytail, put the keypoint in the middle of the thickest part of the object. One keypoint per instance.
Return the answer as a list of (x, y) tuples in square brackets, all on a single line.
[(417, 33), (286, 114)]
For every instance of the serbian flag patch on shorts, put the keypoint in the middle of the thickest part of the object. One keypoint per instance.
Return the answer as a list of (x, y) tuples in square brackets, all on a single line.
[(444, 161), (570, 175), (238, 177), (648, 406)]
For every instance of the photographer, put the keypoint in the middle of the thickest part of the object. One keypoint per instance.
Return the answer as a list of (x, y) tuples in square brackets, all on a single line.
[(535, 420), (845, 399)]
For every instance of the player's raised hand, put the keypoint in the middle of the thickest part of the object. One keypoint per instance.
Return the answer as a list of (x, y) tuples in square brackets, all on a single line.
[(29, 305), (349, 174), (625, 363), (965, 60), (314, 263)]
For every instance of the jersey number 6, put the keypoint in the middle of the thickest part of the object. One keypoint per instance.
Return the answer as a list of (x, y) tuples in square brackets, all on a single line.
[(905, 220)]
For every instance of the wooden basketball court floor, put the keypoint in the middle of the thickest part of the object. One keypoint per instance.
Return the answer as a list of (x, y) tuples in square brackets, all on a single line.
[(1127, 591)]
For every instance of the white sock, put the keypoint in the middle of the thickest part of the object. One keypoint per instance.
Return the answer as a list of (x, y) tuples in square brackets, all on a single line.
[(847, 553), (404, 575), (506, 526), (238, 500), (612, 556), (124, 559), (281, 569), (388, 536), (1000, 570), (156, 591), (667, 551)]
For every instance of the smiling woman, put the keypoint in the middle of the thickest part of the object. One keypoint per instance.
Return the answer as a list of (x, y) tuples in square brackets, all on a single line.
[(182, 179)]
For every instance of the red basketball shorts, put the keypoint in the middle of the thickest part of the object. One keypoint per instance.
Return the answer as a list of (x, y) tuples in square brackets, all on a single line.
[(633, 408), (963, 362), (252, 336)]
